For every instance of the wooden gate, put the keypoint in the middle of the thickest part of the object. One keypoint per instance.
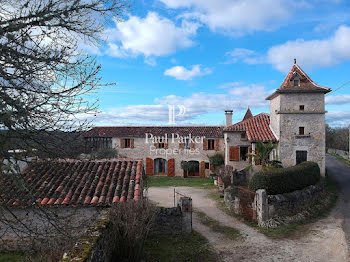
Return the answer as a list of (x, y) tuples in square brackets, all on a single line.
[(246, 204)]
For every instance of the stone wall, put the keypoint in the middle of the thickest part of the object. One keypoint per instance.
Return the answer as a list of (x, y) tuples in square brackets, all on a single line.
[(266, 207), (286, 118), (142, 150), (342, 153)]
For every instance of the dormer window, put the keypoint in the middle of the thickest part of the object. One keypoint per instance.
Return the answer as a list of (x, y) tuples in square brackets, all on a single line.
[(296, 82)]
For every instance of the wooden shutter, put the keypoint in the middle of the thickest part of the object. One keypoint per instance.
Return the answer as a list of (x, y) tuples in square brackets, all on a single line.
[(217, 144), (166, 144), (211, 167), (149, 166), (131, 143), (250, 156), (192, 145), (181, 145), (171, 167), (202, 169), (205, 144), (122, 143), (234, 153)]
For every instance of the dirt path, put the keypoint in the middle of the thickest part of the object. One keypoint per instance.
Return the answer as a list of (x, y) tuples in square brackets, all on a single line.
[(322, 241)]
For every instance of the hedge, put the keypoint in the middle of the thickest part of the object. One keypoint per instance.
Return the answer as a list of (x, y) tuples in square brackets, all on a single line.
[(285, 180)]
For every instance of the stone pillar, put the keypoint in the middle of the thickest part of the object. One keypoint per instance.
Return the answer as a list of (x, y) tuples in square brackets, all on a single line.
[(185, 204), (262, 206)]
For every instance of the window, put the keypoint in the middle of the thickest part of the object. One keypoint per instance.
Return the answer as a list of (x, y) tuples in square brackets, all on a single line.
[(296, 82), (127, 143), (301, 107), (243, 135), (207, 166), (161, 145), (301, 156), (243, 153), (301, 130), (211, 144), (187, 144)]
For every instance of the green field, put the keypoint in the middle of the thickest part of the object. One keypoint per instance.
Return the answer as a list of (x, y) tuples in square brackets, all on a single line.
[(159, 181)]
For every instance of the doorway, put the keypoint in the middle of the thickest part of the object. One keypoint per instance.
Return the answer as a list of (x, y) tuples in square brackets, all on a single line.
[(301, 156)]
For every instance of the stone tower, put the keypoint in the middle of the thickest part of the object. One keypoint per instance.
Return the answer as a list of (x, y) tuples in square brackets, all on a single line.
[(297, 117)]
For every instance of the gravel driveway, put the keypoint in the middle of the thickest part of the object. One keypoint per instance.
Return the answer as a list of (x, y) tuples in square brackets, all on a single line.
[(321, 241)]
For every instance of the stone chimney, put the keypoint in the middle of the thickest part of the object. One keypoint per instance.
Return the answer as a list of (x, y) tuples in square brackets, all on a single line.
[(228, 114)]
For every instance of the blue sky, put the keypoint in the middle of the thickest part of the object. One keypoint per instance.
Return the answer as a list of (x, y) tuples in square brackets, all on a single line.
[(209, 56)]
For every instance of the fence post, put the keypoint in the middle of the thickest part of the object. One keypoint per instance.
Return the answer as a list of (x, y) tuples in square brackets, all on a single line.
[(185, 204), (262, 206)]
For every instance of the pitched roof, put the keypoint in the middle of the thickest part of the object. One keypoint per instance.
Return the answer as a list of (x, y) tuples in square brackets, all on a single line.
[(306, 85), (256, 127), (75, 182), (140, 131), (247, 115)]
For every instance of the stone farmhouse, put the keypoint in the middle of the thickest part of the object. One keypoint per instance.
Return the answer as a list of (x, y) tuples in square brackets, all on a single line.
[(296, 123)]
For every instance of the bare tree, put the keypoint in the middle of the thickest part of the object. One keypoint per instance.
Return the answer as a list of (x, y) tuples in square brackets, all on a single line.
[(45, 77)]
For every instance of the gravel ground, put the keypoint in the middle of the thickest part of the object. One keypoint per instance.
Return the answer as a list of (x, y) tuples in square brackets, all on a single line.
[(317, 242)]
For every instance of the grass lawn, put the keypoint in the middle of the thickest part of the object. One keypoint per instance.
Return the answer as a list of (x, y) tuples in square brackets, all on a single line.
[(216, 226), (189, 247), (158, 181), (11, 257), (317, 210), (341, 158)]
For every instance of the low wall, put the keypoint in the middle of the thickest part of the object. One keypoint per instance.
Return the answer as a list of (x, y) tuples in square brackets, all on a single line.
[(342, 153), (94, 246), (265, 207)]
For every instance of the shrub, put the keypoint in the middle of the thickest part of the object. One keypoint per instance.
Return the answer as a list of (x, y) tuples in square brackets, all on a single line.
[(285, 180), (105, 153), (216, 160)]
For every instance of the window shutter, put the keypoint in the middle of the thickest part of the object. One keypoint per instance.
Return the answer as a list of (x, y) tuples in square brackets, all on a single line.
[(156, 144), (205, 144), (131, 143), (257, 162), (149, 166), (202, 169), (181, 145), (250, 156), (234, 153), (171, 167), (211, 167), (166, 144), (192, 145), (217, 144), (121, 143)]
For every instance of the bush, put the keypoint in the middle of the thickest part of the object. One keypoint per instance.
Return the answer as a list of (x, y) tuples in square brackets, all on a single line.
[(107, 153), (216, 160), (285, 180)]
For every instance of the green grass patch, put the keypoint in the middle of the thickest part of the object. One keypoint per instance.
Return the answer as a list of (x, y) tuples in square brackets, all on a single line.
[(340, 158), (216, 226), (160, 181), (187, 247), (11, 257), (318, 209)]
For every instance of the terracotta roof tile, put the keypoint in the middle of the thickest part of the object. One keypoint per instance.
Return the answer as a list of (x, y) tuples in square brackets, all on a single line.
[(256, 127), (305, 85), (76, 182), (140, 131)]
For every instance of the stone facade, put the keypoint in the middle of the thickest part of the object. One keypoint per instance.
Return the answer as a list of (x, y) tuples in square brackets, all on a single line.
[(143, 150), (286, 120)]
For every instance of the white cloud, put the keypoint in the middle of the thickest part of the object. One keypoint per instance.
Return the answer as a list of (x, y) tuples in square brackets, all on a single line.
[(247, 56), (337, 100), (239, 16), (198, 104), (150, 36), (338, 118), (181, 73), (312, 53)]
